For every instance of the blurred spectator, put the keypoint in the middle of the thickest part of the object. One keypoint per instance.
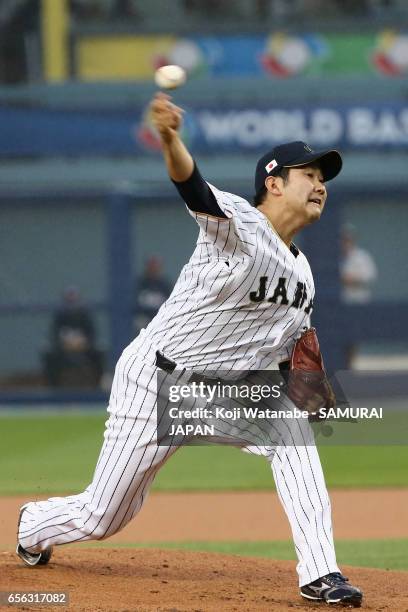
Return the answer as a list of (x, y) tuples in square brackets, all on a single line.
[(18, 19), (357, 269), (152, 290), (73, 359)]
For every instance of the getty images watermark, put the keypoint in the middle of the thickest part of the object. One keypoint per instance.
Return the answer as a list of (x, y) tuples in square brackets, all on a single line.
[(255, 410), (213, 393)]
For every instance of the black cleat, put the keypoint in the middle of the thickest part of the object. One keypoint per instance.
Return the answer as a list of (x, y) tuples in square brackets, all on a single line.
[(333, 589), (32, 559)]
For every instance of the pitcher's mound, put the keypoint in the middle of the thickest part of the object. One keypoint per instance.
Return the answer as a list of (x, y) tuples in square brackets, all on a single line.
[(102, 579)]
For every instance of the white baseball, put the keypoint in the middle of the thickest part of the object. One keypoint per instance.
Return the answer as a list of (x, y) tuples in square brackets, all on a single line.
[(170, 77)]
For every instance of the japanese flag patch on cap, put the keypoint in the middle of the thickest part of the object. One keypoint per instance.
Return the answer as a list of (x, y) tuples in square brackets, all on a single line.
[(272, 164)]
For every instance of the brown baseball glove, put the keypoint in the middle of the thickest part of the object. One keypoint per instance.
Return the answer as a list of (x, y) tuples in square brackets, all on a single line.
[(308, 386)]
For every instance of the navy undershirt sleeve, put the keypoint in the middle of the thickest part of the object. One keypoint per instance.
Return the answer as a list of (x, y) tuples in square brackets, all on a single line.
[(198, 196)]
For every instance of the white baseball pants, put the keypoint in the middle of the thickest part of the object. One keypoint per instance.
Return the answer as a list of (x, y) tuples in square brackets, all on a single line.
[(129, 460)]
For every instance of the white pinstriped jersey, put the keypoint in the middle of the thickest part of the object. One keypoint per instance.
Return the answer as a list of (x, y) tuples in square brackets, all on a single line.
[(241, 301)]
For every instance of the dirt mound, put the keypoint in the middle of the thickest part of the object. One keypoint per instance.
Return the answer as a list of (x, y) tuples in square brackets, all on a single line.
[(98, 579), (244, 516)]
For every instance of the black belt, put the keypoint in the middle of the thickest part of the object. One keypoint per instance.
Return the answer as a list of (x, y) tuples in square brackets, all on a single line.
[(164, 363), (168, 365)]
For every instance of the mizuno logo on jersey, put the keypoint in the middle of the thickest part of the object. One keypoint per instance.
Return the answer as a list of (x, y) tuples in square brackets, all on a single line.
[(280, 294)]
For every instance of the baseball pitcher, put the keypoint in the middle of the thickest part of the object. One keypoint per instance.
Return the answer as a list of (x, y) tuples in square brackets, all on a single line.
[(243, 302)]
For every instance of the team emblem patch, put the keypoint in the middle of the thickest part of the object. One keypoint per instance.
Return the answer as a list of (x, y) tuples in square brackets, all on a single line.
[(272, 164)]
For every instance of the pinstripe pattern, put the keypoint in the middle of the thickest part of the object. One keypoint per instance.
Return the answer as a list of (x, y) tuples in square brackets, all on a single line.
[(209, 322), (129, 460)]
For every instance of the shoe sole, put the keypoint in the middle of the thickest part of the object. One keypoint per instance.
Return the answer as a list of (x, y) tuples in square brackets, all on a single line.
[(353, 600)]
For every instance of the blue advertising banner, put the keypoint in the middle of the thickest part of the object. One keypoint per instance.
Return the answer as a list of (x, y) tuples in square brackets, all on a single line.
[(39, 131)]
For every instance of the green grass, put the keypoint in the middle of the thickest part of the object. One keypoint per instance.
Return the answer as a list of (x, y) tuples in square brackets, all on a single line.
[(47, 453), (384, 554), (227, 468)]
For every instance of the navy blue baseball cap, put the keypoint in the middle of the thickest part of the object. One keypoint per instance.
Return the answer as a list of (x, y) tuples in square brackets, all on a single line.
[(293, 154)]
